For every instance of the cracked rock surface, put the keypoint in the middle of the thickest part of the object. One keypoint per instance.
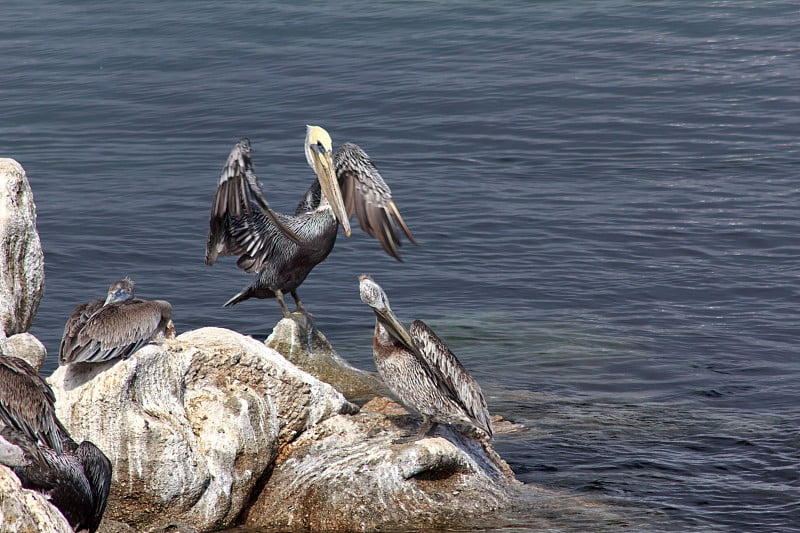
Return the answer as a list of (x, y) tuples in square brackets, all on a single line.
[(21, 258), (214, 428), (192, 424)]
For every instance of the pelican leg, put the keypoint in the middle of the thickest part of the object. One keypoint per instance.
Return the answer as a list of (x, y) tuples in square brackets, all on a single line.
[(279, 297), (427, 428), (299, 303)]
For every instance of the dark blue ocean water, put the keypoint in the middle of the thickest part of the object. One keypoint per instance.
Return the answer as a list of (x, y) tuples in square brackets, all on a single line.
[(605, 194)]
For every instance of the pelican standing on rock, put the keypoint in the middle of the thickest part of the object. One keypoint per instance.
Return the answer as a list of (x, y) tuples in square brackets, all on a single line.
[(76, 478), (283, 249), (118, 326), (420, 369)]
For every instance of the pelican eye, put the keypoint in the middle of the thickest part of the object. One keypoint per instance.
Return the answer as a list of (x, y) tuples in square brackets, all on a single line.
[(320, 147)]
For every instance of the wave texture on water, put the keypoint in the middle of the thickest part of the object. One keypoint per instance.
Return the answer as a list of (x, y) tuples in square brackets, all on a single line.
[(605, 197)]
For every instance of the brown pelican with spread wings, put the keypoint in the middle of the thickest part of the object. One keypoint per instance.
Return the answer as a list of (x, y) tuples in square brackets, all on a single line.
[(283, 249)]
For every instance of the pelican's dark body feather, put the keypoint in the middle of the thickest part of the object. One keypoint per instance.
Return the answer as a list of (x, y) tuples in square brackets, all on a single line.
[(289, 264), (27, 405), (76, 478), (283, 249)]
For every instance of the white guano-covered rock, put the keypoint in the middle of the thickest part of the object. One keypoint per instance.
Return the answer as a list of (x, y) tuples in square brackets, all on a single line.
[(192, 424), (299, 341), (26, 347), (358, 473), (21, 259), (214, 428)]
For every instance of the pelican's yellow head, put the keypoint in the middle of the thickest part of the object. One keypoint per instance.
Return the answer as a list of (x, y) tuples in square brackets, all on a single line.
[(319, 154), (320, 140)]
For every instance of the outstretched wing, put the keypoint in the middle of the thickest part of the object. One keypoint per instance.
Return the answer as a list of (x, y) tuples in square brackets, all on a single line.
[(27, 405), (239, 204), (366, 194), (116, 330), (452, 373)]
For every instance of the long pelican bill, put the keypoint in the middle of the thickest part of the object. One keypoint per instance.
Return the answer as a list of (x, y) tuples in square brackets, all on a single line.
[(395, 328), (319, 156), (373, 295)]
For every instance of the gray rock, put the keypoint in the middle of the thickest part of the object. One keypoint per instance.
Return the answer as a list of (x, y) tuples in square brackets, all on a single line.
[(377, 482), (21, 259), (190, 425), (214, 425), (26, 347), (299, 341), (349, 473), (26, 511)]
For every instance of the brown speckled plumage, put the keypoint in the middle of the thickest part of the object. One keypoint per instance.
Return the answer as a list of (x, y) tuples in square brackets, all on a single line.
[(118, 326), (420, 369)]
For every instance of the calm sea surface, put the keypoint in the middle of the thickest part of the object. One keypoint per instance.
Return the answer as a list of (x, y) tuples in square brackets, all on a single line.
[(606, 196)]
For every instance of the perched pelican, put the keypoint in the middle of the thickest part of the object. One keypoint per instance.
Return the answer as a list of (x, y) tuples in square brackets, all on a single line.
[(75, 477), (118, 326), (283, 249), (421, 371)]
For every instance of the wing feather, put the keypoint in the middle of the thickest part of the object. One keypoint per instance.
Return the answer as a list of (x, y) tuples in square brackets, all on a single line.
[(27, 404), (367, 195), (239, 203), (75, 323), (453, 374), (257, 241), (117, 330)]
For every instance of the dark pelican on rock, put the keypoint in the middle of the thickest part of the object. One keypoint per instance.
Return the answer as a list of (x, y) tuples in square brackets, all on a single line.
[(118, 326), (420, 369), (283, 249), (76, 478)]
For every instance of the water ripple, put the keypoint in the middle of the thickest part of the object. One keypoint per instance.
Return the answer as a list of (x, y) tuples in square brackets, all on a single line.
[(605, 198)]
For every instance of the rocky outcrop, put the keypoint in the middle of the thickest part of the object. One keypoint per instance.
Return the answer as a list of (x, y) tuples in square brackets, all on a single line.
[(381, 479), (191, 425), (299, 341), (360, 473), (215, 428), (26, 347), (21, 259)]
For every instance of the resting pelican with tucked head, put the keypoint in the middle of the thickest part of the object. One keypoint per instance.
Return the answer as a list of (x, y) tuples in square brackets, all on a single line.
[(283, 249), (75, 477), (420, 369), (118, 326)]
